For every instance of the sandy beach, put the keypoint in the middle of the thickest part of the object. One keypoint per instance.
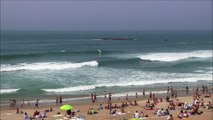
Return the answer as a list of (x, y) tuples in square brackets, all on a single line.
[(104, 114)]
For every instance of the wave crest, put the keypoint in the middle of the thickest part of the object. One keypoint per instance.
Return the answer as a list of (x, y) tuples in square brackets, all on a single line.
[(3, 91), (46, 66)]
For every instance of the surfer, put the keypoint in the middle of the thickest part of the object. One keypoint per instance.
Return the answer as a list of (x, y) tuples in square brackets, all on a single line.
[(99, 51)]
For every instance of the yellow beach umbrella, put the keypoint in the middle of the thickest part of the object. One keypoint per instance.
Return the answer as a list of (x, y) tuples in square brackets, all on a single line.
[(66, 107)]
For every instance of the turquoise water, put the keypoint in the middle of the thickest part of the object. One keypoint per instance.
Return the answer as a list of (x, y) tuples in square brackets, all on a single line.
[(47, 63)]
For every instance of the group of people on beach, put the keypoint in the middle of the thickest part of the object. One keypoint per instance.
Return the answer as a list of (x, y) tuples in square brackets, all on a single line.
[(186, 109), (58, 100)]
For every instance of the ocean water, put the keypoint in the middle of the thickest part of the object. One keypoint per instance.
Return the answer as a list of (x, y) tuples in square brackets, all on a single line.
[(41, 63)]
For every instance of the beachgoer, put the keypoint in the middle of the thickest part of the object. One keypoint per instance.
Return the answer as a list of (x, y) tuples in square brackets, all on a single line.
[(143, 92), (180, 115), (95, 98), (110, 97), (60, 100), (135, 103), (105, 96), (127, 96), (22, 105), (26, 117), (170, 117), (91, 96), (100, 107), (36, 104), (136, 115), (56, 100), (113, 112), (187, 90), (150, 95), (168, 89), (17, 110), (110, 108)]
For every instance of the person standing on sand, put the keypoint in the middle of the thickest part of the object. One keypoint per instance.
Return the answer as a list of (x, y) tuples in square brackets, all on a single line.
[(187, 90), (203, 88), (56, 100), (127, 96), (105, 96), (36, 104), (150, 95), (175, 94), (91, 96), (168, 90), (110, 108), (136, 95), (22, 105), (95, 97), (110, 97), (143, 92), (60, 100), (207, 90)]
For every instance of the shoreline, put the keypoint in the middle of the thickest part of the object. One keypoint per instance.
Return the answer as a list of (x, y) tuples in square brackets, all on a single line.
[(101, 99)]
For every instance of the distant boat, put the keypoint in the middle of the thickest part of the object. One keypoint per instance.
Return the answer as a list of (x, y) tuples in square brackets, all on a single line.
[(118, 38)]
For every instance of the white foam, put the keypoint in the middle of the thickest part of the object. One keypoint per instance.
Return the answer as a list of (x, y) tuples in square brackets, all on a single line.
[(149, 79), (168, 57), (46, 66), (3, 91)]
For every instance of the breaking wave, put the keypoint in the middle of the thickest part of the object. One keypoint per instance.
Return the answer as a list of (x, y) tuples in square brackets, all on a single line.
[(46, 66)]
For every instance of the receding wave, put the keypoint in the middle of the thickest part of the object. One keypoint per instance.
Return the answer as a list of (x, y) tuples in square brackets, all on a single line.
[(169, 57), (46, 66), (4, 91)]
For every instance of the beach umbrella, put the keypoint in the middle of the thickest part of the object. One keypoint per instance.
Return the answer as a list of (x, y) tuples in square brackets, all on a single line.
[(134, 119), (66, 107)]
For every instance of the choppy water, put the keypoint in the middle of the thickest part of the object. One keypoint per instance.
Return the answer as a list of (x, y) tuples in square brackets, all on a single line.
[(43, 63)]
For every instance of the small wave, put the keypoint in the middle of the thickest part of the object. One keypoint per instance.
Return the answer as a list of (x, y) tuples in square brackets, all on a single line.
[(169, 57), (3, 91), (46, 66)]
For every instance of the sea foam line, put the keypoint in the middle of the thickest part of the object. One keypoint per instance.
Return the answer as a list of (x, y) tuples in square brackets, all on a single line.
[(175, 56), (46, 66)]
